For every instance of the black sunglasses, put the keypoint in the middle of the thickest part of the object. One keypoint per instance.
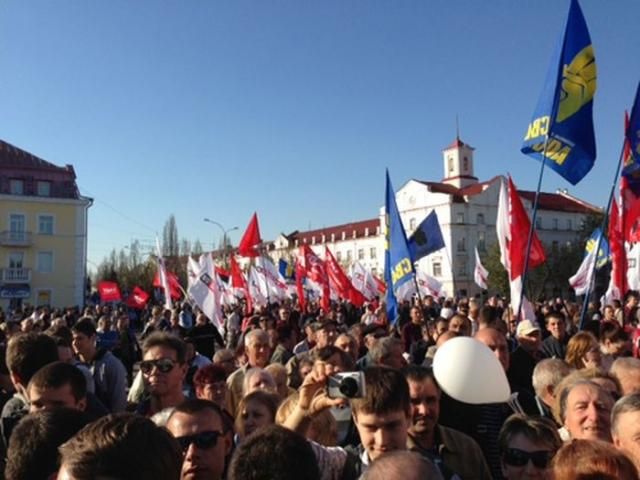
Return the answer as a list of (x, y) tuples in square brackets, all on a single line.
[(519, 458), (164, 365), (203, 440)]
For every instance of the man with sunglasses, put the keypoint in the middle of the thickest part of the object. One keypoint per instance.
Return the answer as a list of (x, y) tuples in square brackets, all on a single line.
[(198, 427), (163, 370), (456, 455)]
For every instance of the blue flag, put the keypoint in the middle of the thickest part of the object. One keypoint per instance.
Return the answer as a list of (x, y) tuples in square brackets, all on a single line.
[(565, 108), (603, 254), (286, 269), (398, 267), (631, 168), (427, 238)]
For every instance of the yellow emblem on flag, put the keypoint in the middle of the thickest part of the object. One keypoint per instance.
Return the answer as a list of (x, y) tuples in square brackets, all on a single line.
[(578, 83)]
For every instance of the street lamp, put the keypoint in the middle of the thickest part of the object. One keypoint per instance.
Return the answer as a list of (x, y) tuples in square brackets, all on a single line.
[(224, 236)]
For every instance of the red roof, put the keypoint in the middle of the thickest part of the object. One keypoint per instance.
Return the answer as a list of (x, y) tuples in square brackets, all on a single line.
[(457, 143), (362, 228)]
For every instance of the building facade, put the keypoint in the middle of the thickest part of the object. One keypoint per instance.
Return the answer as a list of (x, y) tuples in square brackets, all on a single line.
[(467, 211), (43, 232)]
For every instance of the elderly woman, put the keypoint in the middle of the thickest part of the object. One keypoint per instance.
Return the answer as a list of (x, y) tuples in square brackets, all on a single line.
[(527, 445), (255, 410)]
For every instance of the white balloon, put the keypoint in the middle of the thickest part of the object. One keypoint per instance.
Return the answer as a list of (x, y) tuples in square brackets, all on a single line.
[(468, 371)]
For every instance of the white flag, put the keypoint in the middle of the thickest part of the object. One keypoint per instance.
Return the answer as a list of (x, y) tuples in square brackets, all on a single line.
[(428, 285), (633, 267), (363, 281), (192, 271), (480, 274), (583, 278), (163, 277), (271, 285), (253, 280), (204, 291)]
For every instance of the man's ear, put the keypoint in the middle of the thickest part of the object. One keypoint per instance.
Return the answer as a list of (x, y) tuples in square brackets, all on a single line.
[(82, 404), (15, 379)]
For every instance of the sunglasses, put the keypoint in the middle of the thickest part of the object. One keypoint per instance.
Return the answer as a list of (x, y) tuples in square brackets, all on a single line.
[(163, 365), (202, 440), (519, 458)]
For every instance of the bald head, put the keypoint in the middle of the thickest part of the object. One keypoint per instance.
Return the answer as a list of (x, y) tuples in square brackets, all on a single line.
[(448, 335), (497, 342), (402, 465), (627, 371)]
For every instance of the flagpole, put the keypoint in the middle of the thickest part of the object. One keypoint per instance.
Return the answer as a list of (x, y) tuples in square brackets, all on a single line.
[(605, 218), (534, 215)]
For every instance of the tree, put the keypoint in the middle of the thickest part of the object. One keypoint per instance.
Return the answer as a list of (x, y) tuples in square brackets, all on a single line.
[(170, 246), (197, 247), (185, 247)]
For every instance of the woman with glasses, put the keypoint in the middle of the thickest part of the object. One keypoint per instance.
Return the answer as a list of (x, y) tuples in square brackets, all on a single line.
[(527, 445)]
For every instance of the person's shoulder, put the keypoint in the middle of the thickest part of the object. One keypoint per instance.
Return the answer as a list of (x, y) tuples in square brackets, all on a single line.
[(457, 441)]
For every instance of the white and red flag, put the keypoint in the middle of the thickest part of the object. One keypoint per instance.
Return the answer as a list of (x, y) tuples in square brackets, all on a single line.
[(239, 283), (364, 281), (340, 281), (512, 227), (480, 274), (314, 269), (109, 291), (138, 298)]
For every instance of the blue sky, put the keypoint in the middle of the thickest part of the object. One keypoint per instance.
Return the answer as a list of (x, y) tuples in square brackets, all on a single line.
[(291, 108)]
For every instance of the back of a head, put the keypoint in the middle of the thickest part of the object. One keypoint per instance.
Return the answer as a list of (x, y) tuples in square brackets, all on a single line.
[(27, 353), (34, 442), (58, 374), (274, 453), (592, 459), (402, 465), (549, 373), (122, 446)]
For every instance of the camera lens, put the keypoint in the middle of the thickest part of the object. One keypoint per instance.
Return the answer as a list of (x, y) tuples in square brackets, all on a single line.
[(348, 387)]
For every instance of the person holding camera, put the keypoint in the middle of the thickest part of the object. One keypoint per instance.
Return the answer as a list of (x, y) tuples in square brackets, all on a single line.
[(380, 403)]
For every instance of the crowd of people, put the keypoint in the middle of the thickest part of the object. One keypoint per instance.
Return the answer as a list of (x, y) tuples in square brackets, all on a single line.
[(166, 394)]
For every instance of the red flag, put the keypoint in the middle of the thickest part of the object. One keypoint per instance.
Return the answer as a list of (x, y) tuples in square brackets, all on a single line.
[(238, 281), (520, 225), (340, 281), (382, 287), (138, 298), (109, 291), (174, 284), (300, 275), (618, 252), (315, 270), (251, 239)]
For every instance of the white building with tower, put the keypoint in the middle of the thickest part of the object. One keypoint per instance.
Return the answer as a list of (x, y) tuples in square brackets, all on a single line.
[(466, 209)]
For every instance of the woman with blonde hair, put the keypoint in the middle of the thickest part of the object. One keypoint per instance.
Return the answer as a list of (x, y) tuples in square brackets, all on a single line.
[(322, 428), (582, 459)]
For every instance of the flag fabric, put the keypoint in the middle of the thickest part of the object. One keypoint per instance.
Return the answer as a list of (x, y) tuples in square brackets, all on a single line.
[(512, 227), (382, 287), (239, 283), (270, 284), (480, 274), (257, 295), (248, 246), (287, 269), (340, 281), (363, 281), (564, 113), (109, 291), (631, 168), (582, 280), (162, 275), (175, 290), (427, 238), (315, 270), (428, 285), (205, 293), (302, 299), (398, 268), (192, 271), (633, 270), (138, 298), (604, 253)]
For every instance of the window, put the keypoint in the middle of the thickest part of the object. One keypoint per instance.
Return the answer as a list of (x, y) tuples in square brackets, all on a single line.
[(16, 186), (324, 238), (313, 240), (539, 223), (16, 260), (462, 268), (378, 230), (354, 234), (361, 254), (481, 242), (339, 256), (460, 217), (45, 262), (333, 237), (465, 164), (373, 253), (45, 224), (450, 161), (17, 227), (344, 235), (437, 269), (349, 256), (43, 297), (412, 224), (555, 223), (480, 219), (569, 224), (462, 245), (374, 271), (366, 232), (44, 188)]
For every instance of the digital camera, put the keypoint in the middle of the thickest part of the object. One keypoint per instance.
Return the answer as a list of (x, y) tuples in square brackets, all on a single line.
[(346, 385)]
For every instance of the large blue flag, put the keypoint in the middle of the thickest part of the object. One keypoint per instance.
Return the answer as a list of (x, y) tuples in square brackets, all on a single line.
[(603, 254), (631, 168), (286, 269), (427, 238), (398, 267), (565, 108)]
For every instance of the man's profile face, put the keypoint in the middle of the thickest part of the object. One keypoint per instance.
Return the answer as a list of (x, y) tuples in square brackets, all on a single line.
[(200, 463), (381, 434), (51, 398), (82, 344), (425, 406), (627, 435)]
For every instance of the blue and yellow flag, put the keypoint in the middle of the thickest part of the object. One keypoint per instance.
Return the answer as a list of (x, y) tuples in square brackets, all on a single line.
[(631, 168), (603, 254), (286, 269), (565, 108), (398, 267)]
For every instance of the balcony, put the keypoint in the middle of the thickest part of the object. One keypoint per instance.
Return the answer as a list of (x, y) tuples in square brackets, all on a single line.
[(15, 239), (15, 275)]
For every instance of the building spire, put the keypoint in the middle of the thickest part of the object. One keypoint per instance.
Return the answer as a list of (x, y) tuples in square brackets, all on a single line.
[(457, 129)]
